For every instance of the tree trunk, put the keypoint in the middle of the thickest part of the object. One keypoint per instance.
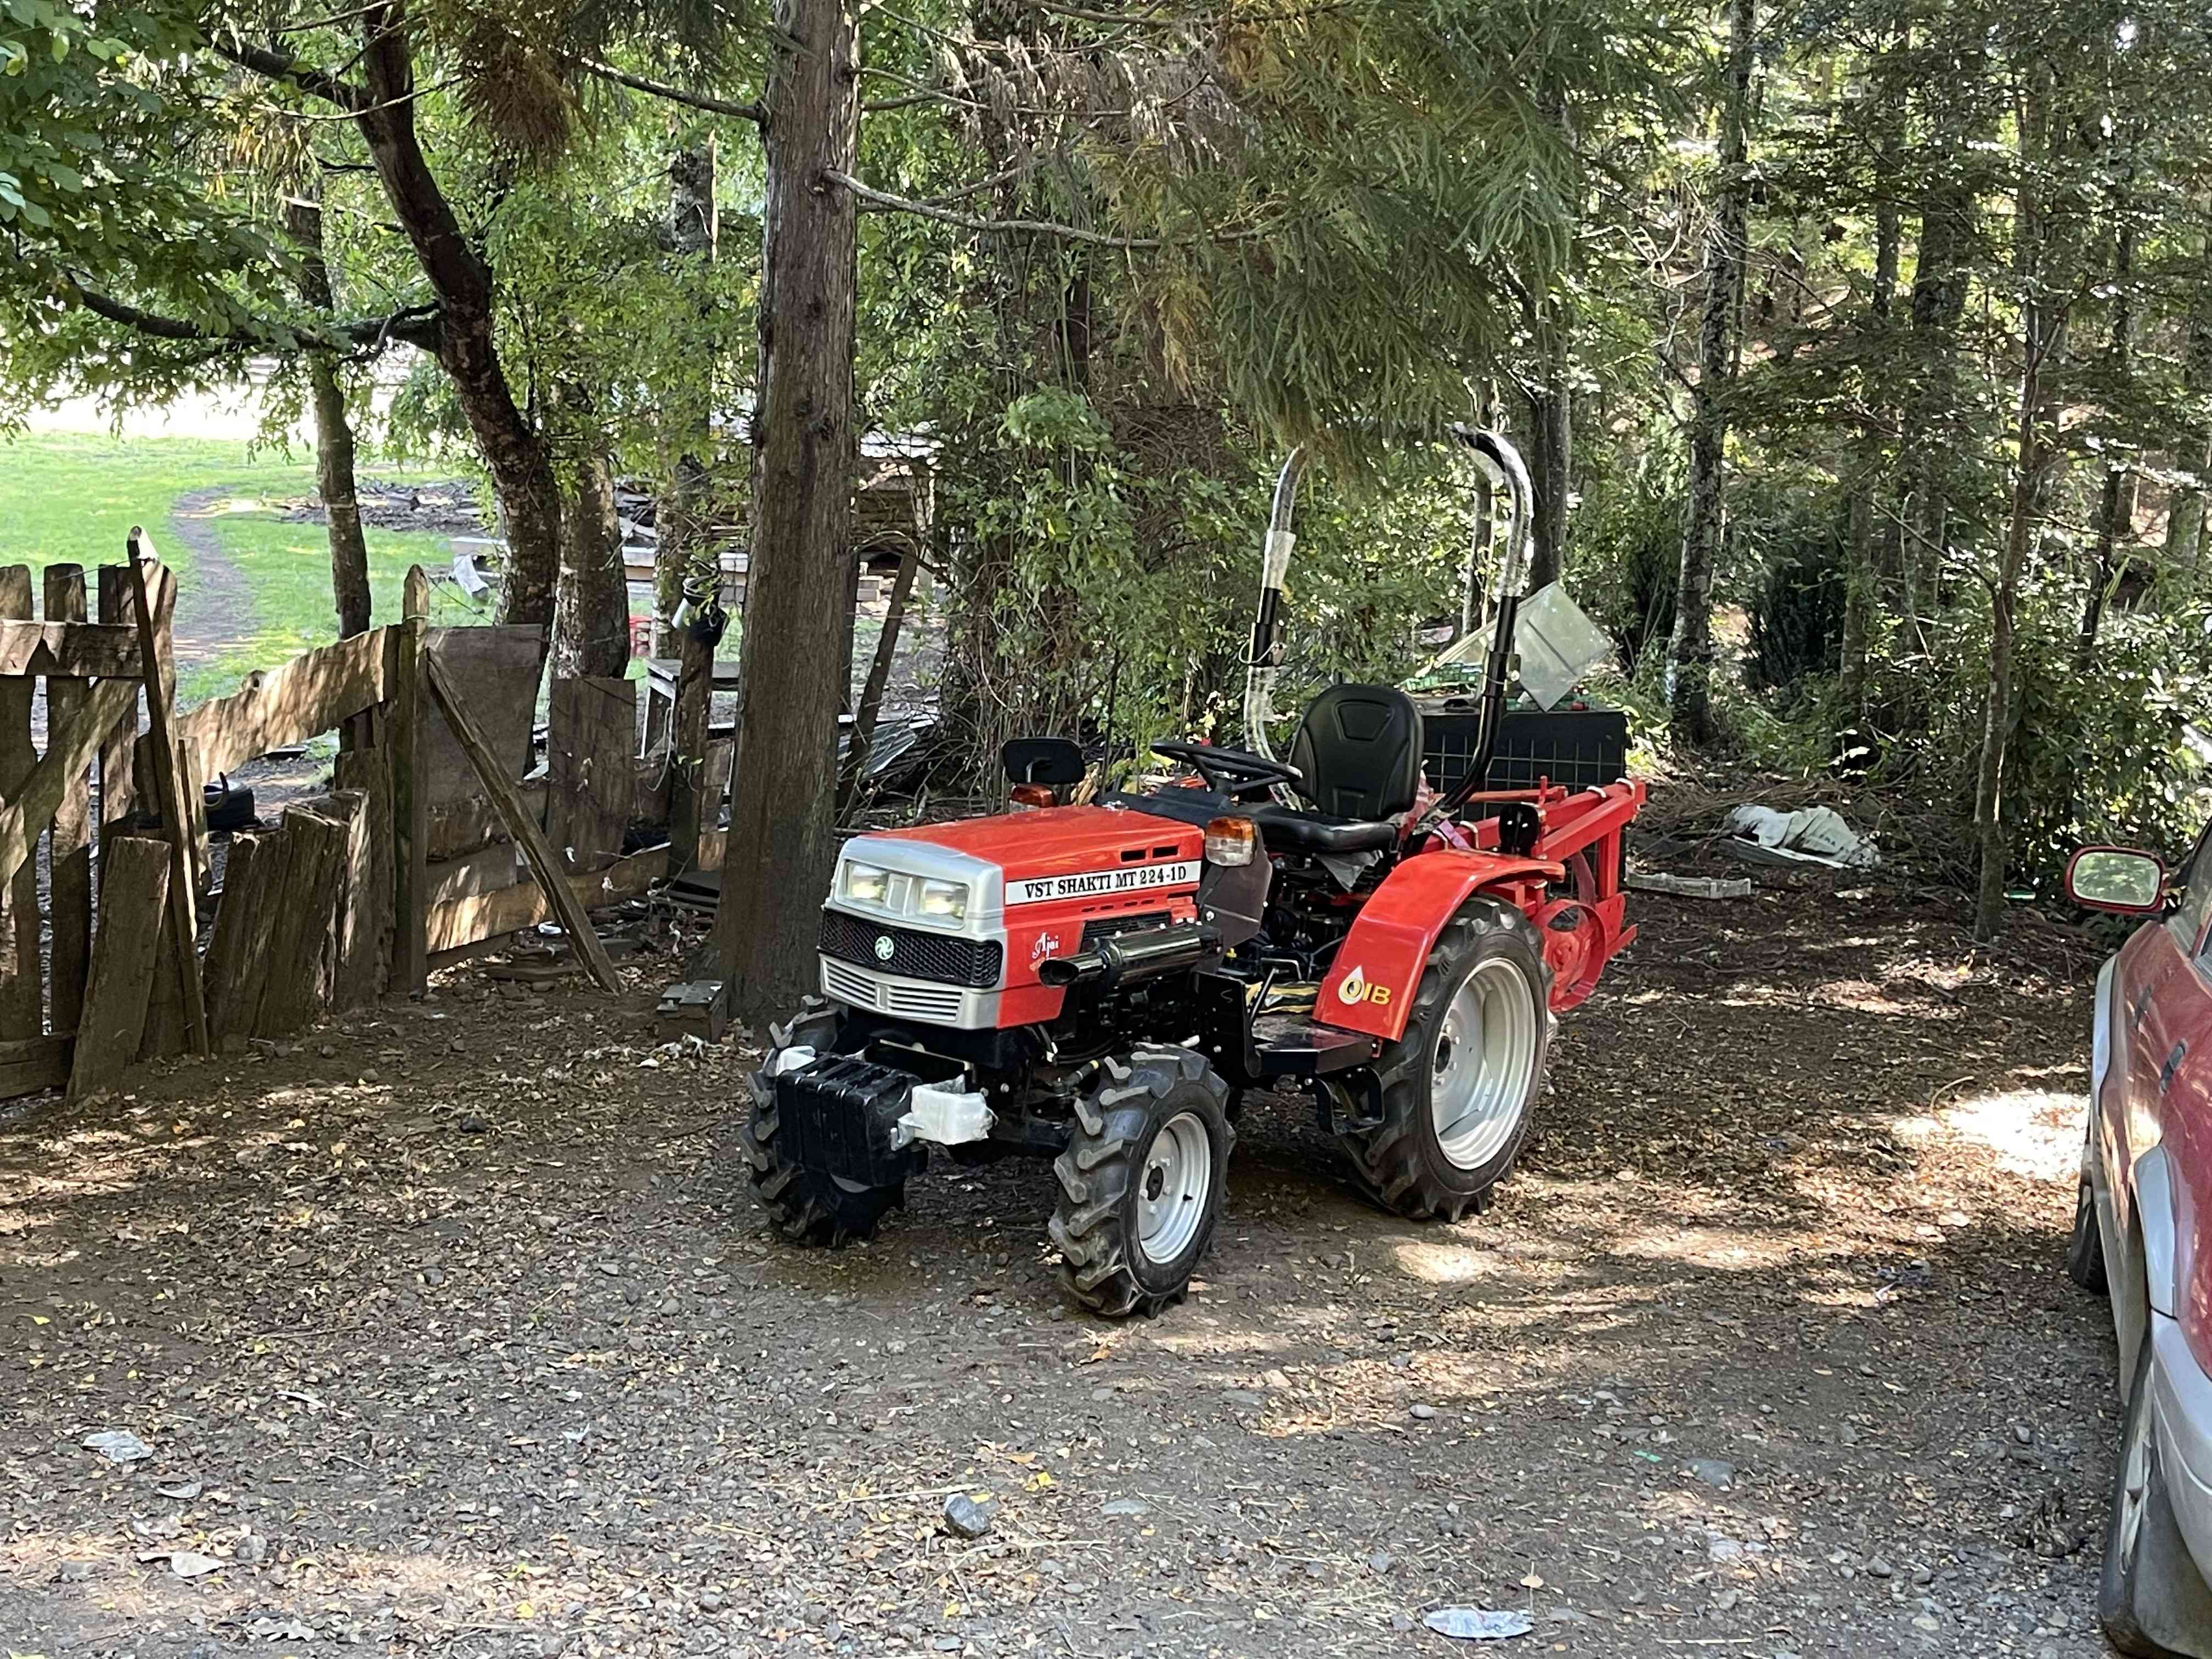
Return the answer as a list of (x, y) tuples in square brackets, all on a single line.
[(2041, 328), (2185, 521), (591, 626), (514, 454), (695, 234), (1690, 651), (1551, 419), (1946, 212), (2116, 501), (784, 785), (334, 445), (1862, 575)]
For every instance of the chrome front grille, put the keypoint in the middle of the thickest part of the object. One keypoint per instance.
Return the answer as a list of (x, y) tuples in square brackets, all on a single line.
[(935, 1005)]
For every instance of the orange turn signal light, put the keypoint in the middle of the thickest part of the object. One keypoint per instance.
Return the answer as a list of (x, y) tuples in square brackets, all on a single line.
[(1027, 795), (1231, 841)]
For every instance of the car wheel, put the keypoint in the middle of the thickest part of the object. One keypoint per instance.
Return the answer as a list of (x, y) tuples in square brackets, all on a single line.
[(2152, 1599), (2085, 1248)]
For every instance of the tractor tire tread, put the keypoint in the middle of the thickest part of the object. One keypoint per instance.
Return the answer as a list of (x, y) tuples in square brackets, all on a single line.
[(806, 1207), (1095, 1172), (1386, 1163)]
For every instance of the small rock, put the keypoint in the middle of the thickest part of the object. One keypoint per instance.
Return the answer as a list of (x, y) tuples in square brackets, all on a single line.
[(1401, 1623), (2023, 1434), (552, 1645), (252, 1548), (710, 1602), (1420, 1413), (1922, 1575), (1124, 1506), (946, 1644), (75, 1572), (1723, 1550), (434, 1276), (1726, 1601), (328, 1051), (1921, 1621), (1275, 1379), (1382, 1561), (474, 1123), (1847, 1436), (1879, 1568), (1715, 1473), (1244, 1399), (966, 1518)]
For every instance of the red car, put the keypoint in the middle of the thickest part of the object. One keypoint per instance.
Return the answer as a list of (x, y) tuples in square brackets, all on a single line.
[(2142, 1234)]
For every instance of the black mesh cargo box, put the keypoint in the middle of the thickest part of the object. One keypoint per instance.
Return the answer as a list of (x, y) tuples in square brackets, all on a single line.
[(1580, 748)]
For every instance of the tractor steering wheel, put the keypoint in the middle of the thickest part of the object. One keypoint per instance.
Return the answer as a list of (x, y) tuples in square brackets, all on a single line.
[(1230, 771)]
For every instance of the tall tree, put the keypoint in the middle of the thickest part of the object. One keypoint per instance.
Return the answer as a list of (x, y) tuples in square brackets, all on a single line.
[(783, 797), (1690, 651)]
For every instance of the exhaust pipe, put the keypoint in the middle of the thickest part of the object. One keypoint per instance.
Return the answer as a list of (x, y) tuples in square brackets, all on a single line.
[(1131, 956)]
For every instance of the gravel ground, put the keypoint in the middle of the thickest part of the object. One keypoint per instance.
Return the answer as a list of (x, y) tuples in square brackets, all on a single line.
[(452, 1330)]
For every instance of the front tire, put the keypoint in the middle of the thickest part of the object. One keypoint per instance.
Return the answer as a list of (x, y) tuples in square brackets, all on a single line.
[(809, 1206), (2151, 1598), (1459, 1087), (1142, 1181), (2085, 1248)]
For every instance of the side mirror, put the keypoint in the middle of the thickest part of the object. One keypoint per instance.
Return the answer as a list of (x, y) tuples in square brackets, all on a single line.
[(2119, 879), (1055, 761)]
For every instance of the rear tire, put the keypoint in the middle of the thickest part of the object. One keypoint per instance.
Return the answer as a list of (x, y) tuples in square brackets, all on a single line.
[(809, 1206), (1459, 1085), (2151, 1598), (1141, 1181)]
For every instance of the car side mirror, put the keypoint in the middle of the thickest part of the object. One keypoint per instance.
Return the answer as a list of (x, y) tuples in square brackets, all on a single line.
[(2119, 879)]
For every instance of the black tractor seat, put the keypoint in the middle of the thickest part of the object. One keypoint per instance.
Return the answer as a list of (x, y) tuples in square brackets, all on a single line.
[(1291, 830)]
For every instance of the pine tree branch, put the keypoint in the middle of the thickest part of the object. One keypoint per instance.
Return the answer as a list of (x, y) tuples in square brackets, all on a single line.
[(698, 101), (882, 202)]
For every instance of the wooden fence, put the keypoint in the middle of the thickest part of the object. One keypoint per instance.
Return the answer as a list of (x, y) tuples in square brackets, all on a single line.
[(411, 856)]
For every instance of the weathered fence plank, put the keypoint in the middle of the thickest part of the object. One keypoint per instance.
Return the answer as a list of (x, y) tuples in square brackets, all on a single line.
[(34, 1065), (22, 998), (134, 889), (591, 770), (409, 801), (314, 693), (462, 923), (115, 791), (87, 651), (69, 892), (31, 805), (365, 965), (154, 593), (302, 948), (545, 863)]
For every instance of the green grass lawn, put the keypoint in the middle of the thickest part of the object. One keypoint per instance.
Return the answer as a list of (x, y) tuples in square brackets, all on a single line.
[(73, 499)]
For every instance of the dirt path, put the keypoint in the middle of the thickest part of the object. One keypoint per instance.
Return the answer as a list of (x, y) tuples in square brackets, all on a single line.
[(453, 1332), (214, 610)]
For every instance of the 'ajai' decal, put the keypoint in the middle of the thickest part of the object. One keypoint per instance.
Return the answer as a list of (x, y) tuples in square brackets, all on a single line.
[(1090, 883)]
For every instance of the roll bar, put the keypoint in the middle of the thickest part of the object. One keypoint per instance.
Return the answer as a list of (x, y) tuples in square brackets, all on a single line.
[(1498, 458)]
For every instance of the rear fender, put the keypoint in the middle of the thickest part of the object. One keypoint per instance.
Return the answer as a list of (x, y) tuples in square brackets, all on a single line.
[(1370, 987)]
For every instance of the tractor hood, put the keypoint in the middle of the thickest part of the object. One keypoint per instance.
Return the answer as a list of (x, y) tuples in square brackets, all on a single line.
[(1003, 894)]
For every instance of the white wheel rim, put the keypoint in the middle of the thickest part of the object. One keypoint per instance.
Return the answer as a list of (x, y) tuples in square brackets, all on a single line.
[(1174, 1187), (1483, 1064)]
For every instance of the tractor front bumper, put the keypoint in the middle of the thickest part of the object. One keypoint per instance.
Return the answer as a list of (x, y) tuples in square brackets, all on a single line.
[(864, 1123)]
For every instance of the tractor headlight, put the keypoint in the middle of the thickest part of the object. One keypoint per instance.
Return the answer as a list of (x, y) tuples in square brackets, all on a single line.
[(945, 901), (863, 883)]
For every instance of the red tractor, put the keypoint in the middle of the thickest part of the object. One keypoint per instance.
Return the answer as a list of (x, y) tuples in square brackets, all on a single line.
[(1098, 983)]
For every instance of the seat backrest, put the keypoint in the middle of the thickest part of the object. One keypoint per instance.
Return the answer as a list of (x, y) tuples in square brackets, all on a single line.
[(1359, 747)]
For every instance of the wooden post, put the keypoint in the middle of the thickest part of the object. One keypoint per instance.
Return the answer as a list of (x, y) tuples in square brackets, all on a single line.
[(410, 807), (592, 736), (545, 863), (302, 949), (244, 922), (134, 886), (368, 965), (70, 888), (154, 593), (23, 1000), (115, 607)]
